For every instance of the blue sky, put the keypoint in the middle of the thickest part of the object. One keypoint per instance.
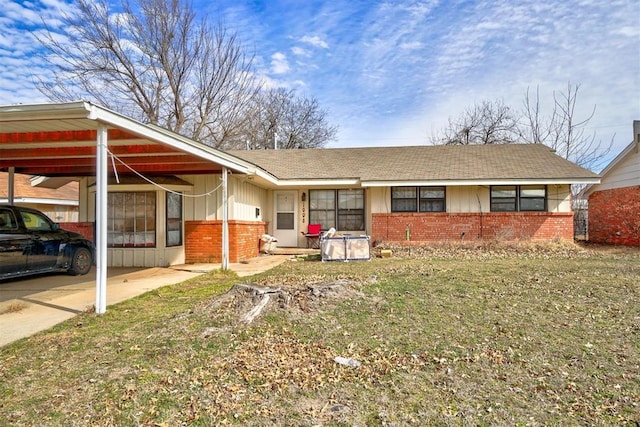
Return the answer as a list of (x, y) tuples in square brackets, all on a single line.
[(393, 72)]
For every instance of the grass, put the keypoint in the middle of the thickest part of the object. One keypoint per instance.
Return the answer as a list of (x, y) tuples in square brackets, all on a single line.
[(448, 336)]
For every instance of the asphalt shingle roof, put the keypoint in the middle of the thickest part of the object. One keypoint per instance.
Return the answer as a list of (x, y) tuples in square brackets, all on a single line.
[(424, 163), (24, 189)]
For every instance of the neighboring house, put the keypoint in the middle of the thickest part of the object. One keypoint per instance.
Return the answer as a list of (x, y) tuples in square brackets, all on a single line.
[(185, 194), (60, 204), (614, 204)]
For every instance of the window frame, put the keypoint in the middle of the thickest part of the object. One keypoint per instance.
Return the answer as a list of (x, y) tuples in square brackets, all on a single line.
[(530, 187), (518, 198), (121, 214), (417, 200), (496, 201), (174, 221), (335, 214), (398, 202), (325, 212)]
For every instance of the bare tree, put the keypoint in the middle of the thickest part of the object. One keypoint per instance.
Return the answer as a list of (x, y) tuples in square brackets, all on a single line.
[(562, 130), (490, 122), (155, 62), (495, 123), (280, 119)]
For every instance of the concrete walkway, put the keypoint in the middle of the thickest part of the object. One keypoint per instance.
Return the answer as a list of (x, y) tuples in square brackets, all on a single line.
[(32, 305)]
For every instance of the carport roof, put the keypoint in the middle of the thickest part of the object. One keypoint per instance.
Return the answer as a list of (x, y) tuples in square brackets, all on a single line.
[(60, 140)]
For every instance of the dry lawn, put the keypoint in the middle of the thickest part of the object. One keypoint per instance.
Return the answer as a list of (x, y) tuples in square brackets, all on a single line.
[(492, 335)]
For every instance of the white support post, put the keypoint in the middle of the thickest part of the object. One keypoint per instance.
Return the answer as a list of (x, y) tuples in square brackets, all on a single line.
[(225, 221), (11, 185), (101, 220)]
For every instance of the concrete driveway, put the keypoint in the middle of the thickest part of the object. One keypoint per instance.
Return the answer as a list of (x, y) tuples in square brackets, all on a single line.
[(31, 305)]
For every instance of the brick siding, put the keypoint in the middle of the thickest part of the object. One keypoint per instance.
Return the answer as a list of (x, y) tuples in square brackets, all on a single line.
[(85, 228), (614, 216), (439, 227), (203, 240)]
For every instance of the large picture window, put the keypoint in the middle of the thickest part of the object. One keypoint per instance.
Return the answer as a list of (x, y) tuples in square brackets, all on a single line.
[(174, 219), (418, 199), (341, 209), (131, 219), (518, 198)]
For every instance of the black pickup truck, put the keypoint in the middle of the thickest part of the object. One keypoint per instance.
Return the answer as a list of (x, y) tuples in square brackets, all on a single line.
[(30, 243)]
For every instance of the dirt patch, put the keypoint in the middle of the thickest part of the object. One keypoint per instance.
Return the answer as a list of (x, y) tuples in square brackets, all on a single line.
[(492, 249), (249, 301)]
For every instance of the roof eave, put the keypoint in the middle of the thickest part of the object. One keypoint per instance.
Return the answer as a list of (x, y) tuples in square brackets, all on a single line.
[(634, 146), (482, 182), (88, 111), (320, 182), (59, 111), (167, 137), (42, 201)]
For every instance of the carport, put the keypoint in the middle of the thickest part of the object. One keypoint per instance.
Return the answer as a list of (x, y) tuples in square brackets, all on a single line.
[(81, 139)]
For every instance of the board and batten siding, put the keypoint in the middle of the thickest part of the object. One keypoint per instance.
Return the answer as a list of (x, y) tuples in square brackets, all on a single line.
[(559, 198), (244, 198), (205, 198)]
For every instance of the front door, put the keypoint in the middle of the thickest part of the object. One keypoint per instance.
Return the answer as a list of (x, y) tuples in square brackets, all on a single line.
[(286, 215)]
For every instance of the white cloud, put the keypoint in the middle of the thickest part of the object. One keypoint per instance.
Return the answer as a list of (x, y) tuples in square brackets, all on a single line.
[(315, 41), (279, 63), (629, 31), (298, 51), (413, 45)]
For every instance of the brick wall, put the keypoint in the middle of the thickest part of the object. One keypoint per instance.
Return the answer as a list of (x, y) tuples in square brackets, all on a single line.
[(438, 227), (85, 228), (203, 240), (614, 216)]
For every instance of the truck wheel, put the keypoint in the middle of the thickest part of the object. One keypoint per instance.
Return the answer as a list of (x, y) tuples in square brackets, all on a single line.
[(80, 262)]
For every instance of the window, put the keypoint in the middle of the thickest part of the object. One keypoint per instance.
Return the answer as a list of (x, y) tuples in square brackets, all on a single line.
[(322, 208), (503, 198), (533, 198), (174, 219), (7, 220), (418, 199), (341, 209), (404, 199), (432, 199), (285, 216), (131, 220), (350, 210), (516, 198), (35, 221)]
